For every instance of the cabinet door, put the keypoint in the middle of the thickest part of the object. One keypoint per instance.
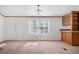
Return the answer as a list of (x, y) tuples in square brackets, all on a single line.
[(66, 20), (67, 37), (75, 38), (63, 36), (75, 22)]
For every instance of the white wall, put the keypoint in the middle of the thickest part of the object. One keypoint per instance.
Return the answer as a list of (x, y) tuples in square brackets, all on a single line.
[(1, 28), (17, 28), (29, 10)]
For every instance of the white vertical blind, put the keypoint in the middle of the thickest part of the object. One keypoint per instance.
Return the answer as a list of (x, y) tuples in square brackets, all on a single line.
[(39, 26)]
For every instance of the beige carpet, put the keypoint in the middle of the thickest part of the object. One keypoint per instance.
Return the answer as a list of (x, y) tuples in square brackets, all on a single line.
[(37, 47)]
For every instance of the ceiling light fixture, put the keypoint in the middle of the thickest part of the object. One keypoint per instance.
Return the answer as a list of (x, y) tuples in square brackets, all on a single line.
[(38, 10)]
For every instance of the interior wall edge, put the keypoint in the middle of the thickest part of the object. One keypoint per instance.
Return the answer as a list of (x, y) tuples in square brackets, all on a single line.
[(2, 14), (34, 16), (2, 40)]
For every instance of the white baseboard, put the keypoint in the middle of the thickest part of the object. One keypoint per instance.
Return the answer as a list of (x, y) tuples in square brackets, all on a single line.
[(2, 40)]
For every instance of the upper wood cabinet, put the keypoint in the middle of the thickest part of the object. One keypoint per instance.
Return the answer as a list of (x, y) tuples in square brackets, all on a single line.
[(72, 20), (66, 20), (75, 21)]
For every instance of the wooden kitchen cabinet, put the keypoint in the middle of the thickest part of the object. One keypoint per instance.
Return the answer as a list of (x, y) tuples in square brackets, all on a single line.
[(72, 36), (75, 21), (66, 20), (71, 19), (75, 38), (66, 37)]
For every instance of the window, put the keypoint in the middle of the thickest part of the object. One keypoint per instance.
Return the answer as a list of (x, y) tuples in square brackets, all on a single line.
[(39, 26)]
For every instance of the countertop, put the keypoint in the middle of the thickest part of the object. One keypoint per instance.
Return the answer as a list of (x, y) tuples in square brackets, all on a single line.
[(67, 30)]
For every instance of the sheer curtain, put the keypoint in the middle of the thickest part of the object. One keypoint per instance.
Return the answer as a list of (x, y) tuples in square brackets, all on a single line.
[(39, 26)]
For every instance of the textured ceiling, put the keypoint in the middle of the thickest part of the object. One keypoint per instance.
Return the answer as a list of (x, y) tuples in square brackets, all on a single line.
[(29, 10)]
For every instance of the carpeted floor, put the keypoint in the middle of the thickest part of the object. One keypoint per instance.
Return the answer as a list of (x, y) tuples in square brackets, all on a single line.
[(37, 47)]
